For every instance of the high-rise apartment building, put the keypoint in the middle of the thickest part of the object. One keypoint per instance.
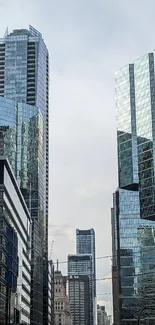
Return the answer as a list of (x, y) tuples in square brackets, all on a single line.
[(15, 257), (24, 79), (133, 213), (79, 297), (82, 264)]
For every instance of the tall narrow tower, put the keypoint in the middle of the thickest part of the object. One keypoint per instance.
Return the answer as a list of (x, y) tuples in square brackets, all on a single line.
[(85, 244), (24, 79)]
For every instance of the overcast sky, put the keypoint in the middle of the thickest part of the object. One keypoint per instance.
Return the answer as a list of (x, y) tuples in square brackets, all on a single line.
[(88, 40)]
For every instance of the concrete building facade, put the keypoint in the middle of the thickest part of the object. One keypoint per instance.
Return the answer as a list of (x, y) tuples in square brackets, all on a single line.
[(62, 314)]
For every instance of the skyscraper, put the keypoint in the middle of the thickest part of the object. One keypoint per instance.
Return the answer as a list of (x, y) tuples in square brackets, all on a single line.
[(82, 265), (85, 244), (133, 212), (78, 292), (24, 79)]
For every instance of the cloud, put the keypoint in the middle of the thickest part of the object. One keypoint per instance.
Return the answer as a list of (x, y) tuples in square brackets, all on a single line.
[(87, 191), (87, 40)]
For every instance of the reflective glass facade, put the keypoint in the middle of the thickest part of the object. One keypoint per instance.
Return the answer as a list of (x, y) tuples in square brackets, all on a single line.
[(15, 269), (24, 78), (21, 140), (135, 110), (133, 212), (85, 244)]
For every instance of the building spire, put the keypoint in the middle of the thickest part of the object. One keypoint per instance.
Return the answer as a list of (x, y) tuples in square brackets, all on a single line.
[(57, 265)]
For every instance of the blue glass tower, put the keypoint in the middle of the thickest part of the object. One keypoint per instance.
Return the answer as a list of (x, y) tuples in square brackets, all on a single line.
[(24, 79), (133, 212)]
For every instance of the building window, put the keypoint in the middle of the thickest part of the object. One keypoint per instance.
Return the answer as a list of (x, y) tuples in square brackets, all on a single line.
[(1, 224)]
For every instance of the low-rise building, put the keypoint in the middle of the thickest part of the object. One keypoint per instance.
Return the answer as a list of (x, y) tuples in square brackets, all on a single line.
[(15, 269), (61, 302)]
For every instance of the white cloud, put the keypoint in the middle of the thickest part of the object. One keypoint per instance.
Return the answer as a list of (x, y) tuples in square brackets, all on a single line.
[(87, 40)]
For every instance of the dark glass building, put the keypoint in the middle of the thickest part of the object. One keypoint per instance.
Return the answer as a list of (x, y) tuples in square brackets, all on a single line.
[(78, 293), (133, 212), (24, 79), (82, 264), (85, 244)]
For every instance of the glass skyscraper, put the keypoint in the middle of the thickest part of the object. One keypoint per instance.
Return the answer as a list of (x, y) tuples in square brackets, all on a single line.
[(85, 244), (24, 80), (133, 212)]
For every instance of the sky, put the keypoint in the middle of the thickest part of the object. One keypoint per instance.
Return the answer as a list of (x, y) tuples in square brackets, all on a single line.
[(88, 40)]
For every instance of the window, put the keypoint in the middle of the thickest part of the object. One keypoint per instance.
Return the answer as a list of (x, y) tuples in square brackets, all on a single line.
[(2, 272), (26, 278), (25, 289), (1, 224)]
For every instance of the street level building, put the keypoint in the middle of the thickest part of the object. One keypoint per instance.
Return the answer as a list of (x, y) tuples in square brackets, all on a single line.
[(133, 212), (24, 79), (79, 297), (61, 302), (15, 255)]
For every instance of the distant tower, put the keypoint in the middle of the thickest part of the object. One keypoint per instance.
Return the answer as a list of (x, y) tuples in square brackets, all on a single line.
[(81, 265), (85, 244)]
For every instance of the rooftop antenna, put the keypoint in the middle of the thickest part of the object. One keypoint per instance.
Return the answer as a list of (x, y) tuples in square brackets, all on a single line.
[(6, 32)]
